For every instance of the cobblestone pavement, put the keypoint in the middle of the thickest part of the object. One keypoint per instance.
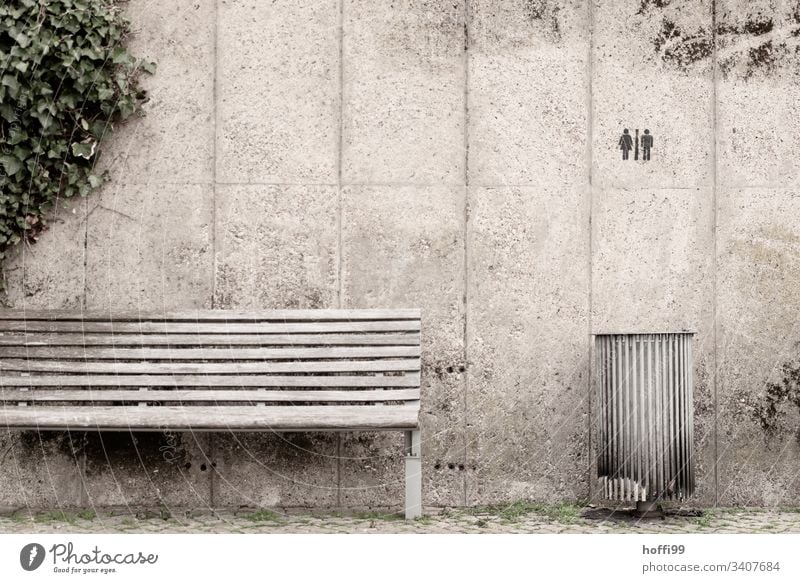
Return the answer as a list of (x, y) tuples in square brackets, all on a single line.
[(516, 518)]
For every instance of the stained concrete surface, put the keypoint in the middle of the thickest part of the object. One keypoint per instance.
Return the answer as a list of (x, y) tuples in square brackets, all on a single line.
[(460, 157)]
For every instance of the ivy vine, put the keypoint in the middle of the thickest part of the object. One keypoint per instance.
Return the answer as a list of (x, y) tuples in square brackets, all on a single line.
[(66, 79)]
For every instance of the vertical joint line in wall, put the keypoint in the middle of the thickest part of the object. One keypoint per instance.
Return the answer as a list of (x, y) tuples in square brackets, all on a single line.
[(714, 238), (339, 148), (339, 243), (466, 246), (214, 117), (214, 161), (84, 495), (339, 470), (590, 306), (211, 459)]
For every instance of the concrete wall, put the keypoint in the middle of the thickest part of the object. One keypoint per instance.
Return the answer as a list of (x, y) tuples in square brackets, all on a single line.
[(352, 153)]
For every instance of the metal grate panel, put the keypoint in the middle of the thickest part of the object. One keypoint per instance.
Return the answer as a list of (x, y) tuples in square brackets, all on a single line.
[(644, 393)]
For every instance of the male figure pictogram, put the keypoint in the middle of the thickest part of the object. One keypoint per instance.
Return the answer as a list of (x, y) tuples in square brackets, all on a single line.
[(647, 143), (625, 143)]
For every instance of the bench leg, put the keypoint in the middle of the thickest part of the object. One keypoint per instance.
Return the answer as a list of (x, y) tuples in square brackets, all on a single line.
[(413, 474)]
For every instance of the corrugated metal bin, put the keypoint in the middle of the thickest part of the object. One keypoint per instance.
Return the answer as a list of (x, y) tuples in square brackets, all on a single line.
[(644, 393)]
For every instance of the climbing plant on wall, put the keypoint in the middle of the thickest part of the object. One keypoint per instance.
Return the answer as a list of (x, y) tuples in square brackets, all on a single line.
[(66, 79)]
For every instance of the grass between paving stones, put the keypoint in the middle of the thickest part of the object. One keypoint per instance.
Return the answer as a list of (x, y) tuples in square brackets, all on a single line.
[(704, 520), (388, 516), (262, 516), (565, 513), (54, 516)]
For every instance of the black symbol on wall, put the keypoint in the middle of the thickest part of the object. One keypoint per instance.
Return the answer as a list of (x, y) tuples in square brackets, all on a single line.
[(627, 143)]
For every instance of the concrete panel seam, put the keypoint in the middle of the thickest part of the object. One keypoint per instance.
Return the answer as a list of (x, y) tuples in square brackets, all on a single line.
[(466, 243), (714, 240), (339, 218), (590, 166)]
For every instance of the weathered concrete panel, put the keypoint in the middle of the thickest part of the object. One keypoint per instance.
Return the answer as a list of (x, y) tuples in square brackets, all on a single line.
[(758, 93), (146, 469), (149, 247), (275, 469), (403, 91), (174, 142), (277, 246), (652, 271), (652, 70), (404, 247), (528, 92), (277, 91), (759, 333), (50, 273), (528, 344), (39, 470)]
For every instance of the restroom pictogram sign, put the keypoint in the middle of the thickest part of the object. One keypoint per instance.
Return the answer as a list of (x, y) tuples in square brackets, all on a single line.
[(641, 145)]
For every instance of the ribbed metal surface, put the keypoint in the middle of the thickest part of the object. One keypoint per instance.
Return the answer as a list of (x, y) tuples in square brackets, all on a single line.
[(644, 389)]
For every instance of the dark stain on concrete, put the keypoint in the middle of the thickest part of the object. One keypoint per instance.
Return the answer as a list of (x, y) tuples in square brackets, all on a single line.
[(679, 48), (746, 54), (770, 410), (761, 58), (64, 442), (432, 30), (646, 5), (758, 26), (544, 12)]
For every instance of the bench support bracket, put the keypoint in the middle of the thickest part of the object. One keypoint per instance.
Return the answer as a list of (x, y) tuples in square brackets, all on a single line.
[(413, 451)]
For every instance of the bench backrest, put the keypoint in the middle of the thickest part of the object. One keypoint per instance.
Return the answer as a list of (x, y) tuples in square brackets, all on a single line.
[(213, 357)]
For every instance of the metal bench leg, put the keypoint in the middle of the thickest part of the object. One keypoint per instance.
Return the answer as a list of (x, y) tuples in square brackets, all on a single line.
[(413, 474)]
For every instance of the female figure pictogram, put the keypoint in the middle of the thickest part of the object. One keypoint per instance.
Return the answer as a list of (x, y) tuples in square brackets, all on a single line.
[(625, 143)]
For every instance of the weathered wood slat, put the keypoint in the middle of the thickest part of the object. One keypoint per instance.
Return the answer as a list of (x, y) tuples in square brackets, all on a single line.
[(210, 418), (72, 339), (16, 395), (47, 352), (217, 315), (145, 367), (204, 381), (207, 327)]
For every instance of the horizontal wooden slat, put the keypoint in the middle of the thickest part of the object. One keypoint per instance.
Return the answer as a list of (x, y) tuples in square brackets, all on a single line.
[(207, 327), (406, 380), (17, 395), (37, 352), (64, 366), (216, 315), (72, 339), (212, 418)]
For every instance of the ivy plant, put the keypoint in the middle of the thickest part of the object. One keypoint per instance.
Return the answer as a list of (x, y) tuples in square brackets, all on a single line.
[(66, 79)]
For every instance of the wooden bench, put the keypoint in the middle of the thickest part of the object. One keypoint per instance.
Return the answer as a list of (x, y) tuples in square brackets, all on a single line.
[(216, 370)]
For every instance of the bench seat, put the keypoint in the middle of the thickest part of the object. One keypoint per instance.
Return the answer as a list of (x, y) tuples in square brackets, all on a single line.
[(212, 418), (215, 370)]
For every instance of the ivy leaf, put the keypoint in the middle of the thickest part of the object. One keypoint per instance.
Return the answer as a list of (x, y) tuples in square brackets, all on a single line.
[(83, 149), (10, 164), (7, 112), (119, 55), (11, 82)]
